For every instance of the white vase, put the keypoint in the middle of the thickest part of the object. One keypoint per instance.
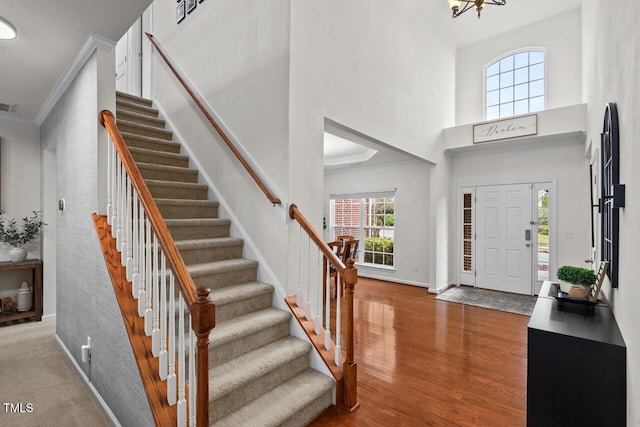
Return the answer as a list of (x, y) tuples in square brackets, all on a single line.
[(18, 254)]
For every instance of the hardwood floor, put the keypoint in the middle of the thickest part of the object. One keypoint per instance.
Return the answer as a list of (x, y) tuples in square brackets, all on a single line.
[(426, 362)]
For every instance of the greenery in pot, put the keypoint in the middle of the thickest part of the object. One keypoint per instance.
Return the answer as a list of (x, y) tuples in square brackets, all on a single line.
[(15, 237), (577, 275)]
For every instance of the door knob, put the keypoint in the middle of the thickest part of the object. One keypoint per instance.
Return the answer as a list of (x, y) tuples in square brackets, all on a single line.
[(528, 245)]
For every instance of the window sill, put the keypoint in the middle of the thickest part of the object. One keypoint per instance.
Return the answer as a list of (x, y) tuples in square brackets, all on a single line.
[(375, 266)]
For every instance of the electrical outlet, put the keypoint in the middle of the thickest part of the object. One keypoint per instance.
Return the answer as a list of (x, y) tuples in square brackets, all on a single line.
[(86, 351)]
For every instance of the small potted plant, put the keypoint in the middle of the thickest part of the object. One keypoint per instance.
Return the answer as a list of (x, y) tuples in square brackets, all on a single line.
[(18, 238), (575, 276)]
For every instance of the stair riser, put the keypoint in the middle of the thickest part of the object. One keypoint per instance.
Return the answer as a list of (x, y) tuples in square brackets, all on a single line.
[(162, 192), (152, 145), (243, 345), (309, 412), (226, 278), (211, 254), (122, 106), (237, 398), (141, 119), (174, 176), (160, 160), (186, 212), (248, 305), (198, 232), (146, 131), (134, 99)]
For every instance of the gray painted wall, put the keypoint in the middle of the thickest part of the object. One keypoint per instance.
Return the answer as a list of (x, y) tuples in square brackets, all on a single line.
[(86, 304)]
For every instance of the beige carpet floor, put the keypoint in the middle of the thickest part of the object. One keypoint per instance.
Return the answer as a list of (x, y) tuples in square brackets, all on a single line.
[(34, 369)]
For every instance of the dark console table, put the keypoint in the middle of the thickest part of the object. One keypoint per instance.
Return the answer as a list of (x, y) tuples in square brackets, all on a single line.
[(576, 366)]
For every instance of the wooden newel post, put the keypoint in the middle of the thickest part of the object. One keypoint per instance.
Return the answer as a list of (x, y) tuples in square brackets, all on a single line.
[(350, 367), (203, 320)]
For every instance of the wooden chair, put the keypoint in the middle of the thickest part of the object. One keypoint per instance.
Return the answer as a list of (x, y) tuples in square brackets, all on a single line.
[(337, 249), (349, 250), (594, 291)]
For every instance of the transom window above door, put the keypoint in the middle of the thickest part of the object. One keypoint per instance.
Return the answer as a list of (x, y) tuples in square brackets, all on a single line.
[(515, 84)]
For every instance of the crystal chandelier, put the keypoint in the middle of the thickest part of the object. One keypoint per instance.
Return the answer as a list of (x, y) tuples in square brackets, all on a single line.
[(478, 4)]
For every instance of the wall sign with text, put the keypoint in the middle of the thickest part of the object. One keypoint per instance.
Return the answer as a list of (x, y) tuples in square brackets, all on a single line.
[(513, 127)]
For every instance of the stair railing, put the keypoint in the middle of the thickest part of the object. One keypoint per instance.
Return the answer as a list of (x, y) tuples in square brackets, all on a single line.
[(273, 199), (315, 299), (164, 289)]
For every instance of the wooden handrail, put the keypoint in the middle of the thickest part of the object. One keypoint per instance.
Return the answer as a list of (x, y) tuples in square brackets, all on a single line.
[(349, 395), (295, 213), (202, 309), (273, 199)]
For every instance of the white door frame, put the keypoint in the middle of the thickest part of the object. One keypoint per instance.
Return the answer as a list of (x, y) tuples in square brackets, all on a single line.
[(551, 184)]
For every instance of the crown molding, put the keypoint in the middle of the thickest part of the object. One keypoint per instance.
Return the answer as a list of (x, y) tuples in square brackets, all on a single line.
[(94, 41)]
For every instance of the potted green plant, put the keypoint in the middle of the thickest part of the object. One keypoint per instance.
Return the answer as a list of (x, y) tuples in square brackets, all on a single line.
[(572, 275), (16, 237)]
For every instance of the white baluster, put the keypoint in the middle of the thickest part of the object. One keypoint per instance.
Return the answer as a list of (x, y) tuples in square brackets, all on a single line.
[(129, 232), (116, 198), (148, 313), (338, 316), (135, 245), (327, 312), (144, 277), (182, 402), (155, 335), (299, 290), (109, 180), (309, 310), (163, 318), (192, 376), (121, 174), (171, 377), (319, 293)]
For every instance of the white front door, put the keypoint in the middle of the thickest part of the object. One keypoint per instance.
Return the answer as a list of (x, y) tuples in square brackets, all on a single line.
[(504, 233), (122, 55)]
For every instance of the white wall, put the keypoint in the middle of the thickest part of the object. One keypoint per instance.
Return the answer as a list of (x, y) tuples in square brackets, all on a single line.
[(610, 52), (560, 160), (370, 66), (236, 54), (560, 35), (20, 191), (411, 232)]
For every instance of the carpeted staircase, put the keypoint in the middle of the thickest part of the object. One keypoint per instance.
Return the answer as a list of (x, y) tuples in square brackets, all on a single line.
[(259, 374)]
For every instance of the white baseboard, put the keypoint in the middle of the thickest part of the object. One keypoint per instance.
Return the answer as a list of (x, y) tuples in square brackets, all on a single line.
[(98, 398), (49, 317), (392, 279), (442, 288)]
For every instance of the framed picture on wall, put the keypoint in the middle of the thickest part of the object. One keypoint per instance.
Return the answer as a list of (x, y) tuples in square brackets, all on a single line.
[(191, 4), (180, 12)]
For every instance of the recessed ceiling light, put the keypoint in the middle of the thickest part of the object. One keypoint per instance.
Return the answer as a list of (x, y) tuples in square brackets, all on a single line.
[(7, 31)]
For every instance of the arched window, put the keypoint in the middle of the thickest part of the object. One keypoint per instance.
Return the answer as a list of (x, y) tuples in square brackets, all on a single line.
[(515, 84)]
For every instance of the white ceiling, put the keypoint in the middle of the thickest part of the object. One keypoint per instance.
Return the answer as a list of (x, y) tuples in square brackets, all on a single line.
[(50, 32)]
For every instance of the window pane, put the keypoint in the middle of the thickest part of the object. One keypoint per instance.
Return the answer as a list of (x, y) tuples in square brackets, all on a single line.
[(493, 69), (536, 88), (493, 82), (536, 57), (506, 64), (493, 112), (506, 79), (536, 72), (521, 107), (506, 95), (522, 75), (506, 110), (522, 59), (493, 98), (521, 91), (536, 104)]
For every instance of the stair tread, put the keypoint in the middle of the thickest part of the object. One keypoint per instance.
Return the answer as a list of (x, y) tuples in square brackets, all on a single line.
[(220, 266), (248, 324), (132, 115), (123, 95), (129, 135), (239, 292), (271, 409), (197, 221), (213, 242), (178, 184), (187, 202), (241, 370), (143, 127), (158, 153), (125, 103), (168, 168)]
